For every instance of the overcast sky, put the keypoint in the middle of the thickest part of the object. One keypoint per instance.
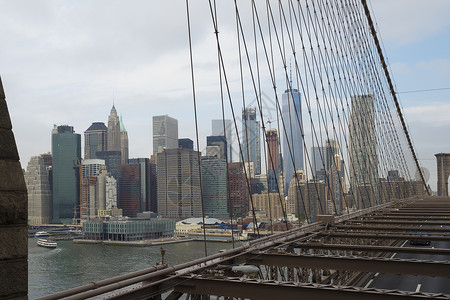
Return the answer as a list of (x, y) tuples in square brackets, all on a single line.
[(66, 62)]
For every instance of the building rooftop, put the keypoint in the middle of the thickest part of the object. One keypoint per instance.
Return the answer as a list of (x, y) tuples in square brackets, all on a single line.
[(208, 221), (97, 126)]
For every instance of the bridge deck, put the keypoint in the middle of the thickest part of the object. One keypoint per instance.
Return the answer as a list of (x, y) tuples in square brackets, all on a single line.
[(342, 260)]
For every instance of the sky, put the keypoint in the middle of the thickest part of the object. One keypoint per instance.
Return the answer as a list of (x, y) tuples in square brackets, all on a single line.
[(67, 62)]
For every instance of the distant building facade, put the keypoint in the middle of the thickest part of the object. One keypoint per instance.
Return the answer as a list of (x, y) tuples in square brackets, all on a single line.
[(218, 130), (165, 133), (251, 138), (178, 180), (186, 143), (145, 177), (214, 186), (112, 161), (39, 190), (363, 153), (238, 205), (292, 135), (130, 189), (218, 141), (123, 143)]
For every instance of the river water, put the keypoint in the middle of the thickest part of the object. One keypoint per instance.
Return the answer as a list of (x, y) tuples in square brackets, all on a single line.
[(71, 265)]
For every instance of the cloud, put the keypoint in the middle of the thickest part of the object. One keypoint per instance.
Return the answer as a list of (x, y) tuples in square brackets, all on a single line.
[(438, 67), (431, 115), (424, 19)]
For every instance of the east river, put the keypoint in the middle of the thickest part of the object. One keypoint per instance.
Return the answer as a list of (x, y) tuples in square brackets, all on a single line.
[(71, 265)]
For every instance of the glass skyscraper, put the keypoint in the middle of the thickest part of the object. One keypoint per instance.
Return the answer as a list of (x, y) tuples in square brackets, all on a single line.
[(95, 139), (292, 118), (214, 185), (66, 150)]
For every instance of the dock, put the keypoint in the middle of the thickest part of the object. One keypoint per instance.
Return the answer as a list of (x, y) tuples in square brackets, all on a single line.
[(142, 243)]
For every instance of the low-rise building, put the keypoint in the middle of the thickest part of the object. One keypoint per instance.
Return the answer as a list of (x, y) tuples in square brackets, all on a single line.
[(128, 230)]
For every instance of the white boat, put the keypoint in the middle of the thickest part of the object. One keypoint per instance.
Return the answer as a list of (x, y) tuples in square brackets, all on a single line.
[(46, 243), (42, 234)]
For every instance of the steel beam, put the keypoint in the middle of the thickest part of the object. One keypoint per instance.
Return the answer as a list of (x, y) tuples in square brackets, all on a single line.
[(420, 250), (397, 222), (392, 228), (369, 235), (350, 263), (269, 290)]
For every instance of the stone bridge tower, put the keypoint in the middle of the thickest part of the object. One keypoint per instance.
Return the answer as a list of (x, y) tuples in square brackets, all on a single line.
[(443, 171), (13, 213)]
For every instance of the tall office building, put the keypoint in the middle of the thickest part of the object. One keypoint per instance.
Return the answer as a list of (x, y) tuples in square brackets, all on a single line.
[(123, 143), (165, 133), (91, 189), (179, 194), (66, 150), (145, 171), (214, 186), (113, 131), (153, 205), (363, 155), (39, 191), (95, 139), (130, 189), (272, 160), (238, 205), (251, 140), (217, 130), (293, 144)]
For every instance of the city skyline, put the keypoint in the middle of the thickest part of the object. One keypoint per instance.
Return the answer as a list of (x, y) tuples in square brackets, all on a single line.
[(76, 71)]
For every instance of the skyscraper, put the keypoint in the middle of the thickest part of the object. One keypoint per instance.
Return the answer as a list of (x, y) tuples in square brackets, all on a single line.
[(95, 139), (251, 140), (39, 191), (113, 131), (130, 189), (178, 184), (363, 155), (165, 133), (291, 135), (123, 143), (92, 190), (66, 150), (217, 130), (238, 204), (214, 186), (145, 181), (272, 160)]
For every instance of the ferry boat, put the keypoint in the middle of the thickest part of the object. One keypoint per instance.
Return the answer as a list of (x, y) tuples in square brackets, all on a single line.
[(46, 243), (42, 234)]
